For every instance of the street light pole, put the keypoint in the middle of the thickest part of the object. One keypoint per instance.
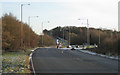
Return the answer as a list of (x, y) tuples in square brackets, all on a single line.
[(63, 32), (21, 26), (21, 11), (100, 28), (29, 29), (22, 42), (99, 37), (30, 25), (63, 36), (69, 35), (43, 33), (88, 35)]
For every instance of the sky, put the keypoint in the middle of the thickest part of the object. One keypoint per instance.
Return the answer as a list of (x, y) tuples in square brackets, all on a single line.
[(100, 13)]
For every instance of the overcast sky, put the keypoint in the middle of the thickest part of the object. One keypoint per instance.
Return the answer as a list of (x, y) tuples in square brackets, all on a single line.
[(100, 13)]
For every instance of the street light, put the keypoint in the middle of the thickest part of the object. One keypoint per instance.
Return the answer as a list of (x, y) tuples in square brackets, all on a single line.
[(42, 31), (88, 37), (31, 17), (22, 42), (29, 25), (69, 35), (63, 32), (21, 10), (99, 36)]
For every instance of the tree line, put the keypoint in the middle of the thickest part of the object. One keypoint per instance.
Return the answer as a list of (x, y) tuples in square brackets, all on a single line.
[(12, 35), (107, 40)]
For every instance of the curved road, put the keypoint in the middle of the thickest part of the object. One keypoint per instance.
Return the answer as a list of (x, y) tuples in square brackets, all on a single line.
[(53, 60)]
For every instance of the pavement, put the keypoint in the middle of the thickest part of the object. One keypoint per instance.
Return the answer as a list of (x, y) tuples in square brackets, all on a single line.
[(53, 60)]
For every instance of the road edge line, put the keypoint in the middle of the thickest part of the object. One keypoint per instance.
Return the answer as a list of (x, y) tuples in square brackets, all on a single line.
[(100, 55), (30, 60)]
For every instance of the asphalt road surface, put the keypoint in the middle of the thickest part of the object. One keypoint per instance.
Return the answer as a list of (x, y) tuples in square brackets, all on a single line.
[(53, 60)]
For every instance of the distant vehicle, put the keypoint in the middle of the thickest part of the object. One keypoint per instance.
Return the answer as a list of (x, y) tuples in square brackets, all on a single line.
[(73, 47), (68, 46), (77, 46), (95, 46)]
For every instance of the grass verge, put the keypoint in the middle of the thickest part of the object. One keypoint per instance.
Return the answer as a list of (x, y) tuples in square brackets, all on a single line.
[(15, 62)]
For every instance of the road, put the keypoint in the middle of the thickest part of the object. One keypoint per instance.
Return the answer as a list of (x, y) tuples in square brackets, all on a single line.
[(53, 60)]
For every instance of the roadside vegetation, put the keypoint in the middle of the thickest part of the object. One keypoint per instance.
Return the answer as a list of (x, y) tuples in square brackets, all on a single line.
[(106, 40), (15, 56), (12, 35), (15, 62)]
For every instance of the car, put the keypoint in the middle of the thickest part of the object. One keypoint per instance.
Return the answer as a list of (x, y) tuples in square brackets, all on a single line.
[(77, 46), (95, 46), (68, 46), (73, 47)]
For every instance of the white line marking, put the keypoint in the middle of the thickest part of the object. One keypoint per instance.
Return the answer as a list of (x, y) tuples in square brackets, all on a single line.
[(30, 59)]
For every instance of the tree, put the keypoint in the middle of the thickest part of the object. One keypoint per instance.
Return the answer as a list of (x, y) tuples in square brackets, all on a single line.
[(11, 34)]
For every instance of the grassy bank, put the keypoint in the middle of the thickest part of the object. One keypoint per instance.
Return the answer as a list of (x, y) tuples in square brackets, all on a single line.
[(15, 62), (103, 51)]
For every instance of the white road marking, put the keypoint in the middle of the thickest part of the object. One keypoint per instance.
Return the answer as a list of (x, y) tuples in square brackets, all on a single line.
[(30, 59)]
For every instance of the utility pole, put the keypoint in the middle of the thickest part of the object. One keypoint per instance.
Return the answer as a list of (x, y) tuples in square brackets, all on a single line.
[(63, 36), (99, 37), (69, 35), (88, 35), (30, 25), (63, 33), (29, 29), (119, 16), (42, 34), (22, 42), (21, 27), (88, 32)]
